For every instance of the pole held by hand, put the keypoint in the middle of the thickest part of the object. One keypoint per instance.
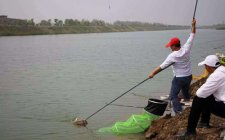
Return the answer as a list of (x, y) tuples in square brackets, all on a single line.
[(196, 4)]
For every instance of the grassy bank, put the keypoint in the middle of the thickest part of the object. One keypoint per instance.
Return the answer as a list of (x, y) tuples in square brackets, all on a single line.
[(217, 27), (41, 30)]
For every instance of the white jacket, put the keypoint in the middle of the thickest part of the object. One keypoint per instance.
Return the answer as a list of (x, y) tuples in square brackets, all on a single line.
[(181, 59), (215, 84)]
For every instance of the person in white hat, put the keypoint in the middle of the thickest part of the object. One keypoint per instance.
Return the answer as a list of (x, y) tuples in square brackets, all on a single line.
[(210, 97)]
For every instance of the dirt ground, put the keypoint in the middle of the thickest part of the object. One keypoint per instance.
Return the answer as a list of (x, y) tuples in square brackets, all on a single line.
[(168, 127)]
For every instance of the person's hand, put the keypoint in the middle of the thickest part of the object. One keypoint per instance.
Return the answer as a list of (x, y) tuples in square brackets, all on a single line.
[(193, 26), (193, 22), (151, 75)]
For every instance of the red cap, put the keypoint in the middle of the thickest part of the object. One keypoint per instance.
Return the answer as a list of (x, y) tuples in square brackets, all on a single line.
[(173, 41)]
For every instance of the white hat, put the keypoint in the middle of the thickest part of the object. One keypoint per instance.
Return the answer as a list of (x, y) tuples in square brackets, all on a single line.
[(211, 60)]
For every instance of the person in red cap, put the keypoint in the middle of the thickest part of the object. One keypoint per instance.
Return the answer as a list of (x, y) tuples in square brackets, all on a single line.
[(181, 63)]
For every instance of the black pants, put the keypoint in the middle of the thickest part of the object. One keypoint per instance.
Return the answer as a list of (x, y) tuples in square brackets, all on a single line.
[(204, 107)]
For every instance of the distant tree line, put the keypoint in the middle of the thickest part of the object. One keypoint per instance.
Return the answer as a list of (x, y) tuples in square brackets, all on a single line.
[(74, 23), (94, 22), (83, 22), (10, 26), (136, 23), (71, 22), (5, 21)]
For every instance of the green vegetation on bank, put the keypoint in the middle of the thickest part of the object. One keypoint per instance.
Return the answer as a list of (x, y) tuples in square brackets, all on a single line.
[(217, 27), (220, 27), (71, 26)]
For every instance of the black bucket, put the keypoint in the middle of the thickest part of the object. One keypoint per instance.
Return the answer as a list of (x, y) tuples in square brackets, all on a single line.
[(156, 106)]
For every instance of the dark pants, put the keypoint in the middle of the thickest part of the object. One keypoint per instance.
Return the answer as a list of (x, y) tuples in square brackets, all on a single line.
[(204, 107), (179, 84)]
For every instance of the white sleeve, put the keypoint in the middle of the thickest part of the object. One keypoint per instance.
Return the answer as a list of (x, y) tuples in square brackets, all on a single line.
[(210, 86), (189, 43), (169, 60)]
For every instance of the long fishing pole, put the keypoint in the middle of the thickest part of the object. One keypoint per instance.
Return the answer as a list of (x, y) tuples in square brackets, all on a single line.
[(196, 4), (123, 94), (84, 122), (116, 98)]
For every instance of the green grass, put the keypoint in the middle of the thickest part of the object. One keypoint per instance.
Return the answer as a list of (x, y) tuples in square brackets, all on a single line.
[(35, 30)]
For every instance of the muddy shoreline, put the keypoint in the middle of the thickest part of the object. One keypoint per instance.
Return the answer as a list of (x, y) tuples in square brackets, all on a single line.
[(168, 127)]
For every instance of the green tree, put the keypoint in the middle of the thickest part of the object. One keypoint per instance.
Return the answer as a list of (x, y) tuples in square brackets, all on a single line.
[(85, 22), (30, 22), (56, 21), (68, 22), (60, 23), (96, 22), (50, 22), (45, 23)]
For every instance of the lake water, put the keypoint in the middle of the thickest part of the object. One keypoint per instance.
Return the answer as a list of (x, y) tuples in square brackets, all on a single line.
[(45, 81)]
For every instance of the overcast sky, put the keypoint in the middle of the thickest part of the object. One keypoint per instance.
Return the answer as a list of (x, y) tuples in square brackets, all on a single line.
[(163, 11)]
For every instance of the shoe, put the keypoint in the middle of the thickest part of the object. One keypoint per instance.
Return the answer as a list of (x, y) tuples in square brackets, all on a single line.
[(178, 113), (203, 125), (187, 135), (186, 102)]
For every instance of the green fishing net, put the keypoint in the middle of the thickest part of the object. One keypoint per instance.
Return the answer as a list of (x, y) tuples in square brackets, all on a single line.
[(135, 124)]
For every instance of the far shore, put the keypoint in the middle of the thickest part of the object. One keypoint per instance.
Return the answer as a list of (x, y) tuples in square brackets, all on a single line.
[(53, 30), (35, 30), (21, 27)]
